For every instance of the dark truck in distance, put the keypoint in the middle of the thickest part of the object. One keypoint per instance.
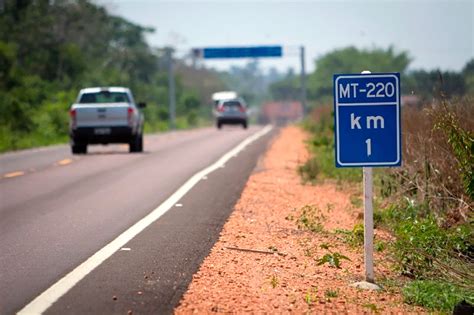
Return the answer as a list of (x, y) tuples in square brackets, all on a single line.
[(103, 115)]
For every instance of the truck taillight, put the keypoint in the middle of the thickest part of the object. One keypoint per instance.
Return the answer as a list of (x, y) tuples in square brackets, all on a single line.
[(130, 112), (72, 114)]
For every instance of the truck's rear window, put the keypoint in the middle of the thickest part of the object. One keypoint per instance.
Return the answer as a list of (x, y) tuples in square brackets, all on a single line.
[(104, 97)]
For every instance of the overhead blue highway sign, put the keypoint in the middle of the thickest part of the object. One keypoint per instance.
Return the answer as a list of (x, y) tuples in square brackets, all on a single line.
[(367, 119), (242, 52)]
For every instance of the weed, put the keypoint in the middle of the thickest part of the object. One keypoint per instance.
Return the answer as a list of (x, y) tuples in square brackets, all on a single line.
[(355, 237), (308, 252), (311, 219), (325, 246), (329, 207), (333, 259), (274, 281), (435, 295), (311, 296), (379, 246), (462, 145), (356, 201), (331, 293), (372, 307)]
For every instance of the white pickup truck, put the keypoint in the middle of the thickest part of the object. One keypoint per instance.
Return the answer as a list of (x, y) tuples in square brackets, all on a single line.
[(103, 115)]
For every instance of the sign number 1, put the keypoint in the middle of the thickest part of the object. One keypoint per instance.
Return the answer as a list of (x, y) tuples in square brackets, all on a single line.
[(369, 146)]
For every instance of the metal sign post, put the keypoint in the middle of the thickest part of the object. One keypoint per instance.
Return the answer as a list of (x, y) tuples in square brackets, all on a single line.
[(367, 134)]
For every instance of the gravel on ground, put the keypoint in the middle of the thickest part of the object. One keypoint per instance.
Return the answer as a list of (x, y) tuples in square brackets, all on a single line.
[(266, 259)]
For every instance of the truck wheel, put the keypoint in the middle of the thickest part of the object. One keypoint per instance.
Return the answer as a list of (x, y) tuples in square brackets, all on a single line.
[(79, 148), (244, 125), (219, 125), (136, 144), (140, 143)]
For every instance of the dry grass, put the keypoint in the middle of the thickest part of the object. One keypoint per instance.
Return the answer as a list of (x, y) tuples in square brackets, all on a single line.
[(431, 173)]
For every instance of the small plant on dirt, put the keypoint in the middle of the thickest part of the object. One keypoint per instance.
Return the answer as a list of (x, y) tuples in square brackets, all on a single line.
[(325, 246), (274, 281), (329, 293), (333, 259), (372, 307), (329, 207), (311, 219), (311, 296), (308, 252), (379, 246), (355, 237), (356, 201)]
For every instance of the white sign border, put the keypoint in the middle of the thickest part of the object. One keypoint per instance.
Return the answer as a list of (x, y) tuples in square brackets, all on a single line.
[(397, 104)]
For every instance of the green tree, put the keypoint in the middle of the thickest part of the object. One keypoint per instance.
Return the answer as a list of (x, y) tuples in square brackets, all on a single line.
[(353, 60)]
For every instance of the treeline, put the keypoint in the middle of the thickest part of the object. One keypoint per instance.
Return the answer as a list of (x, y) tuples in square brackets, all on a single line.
[(425, 85), (51, 49)]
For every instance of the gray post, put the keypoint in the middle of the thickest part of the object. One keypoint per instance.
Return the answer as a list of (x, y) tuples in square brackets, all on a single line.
[(171, 89), (368, 228), (303, 81)]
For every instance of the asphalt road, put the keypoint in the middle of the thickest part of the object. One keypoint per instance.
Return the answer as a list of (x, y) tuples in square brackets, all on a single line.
[(57, 210)]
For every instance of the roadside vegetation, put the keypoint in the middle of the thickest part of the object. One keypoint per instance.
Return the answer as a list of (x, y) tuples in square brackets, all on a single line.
[(51, 49), (426, 205)]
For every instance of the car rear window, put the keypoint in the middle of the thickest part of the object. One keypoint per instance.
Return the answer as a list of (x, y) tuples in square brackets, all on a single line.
[(232, 104), (104, 97)]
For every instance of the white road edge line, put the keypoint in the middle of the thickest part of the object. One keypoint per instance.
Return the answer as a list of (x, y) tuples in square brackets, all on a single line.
[(42, 302)]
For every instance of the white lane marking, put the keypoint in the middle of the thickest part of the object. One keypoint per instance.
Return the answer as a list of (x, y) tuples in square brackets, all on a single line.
[(179, 205), (125, 248), (204, 177), (14, 174), (42, 302)]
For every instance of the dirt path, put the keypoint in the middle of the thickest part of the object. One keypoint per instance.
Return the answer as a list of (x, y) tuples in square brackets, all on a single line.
[(266, 260)]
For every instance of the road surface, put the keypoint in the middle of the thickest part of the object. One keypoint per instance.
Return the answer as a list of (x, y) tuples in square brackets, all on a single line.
[(57, 210)]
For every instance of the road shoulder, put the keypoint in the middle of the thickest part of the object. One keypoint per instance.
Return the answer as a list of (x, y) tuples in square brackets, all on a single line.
[(266, 259)]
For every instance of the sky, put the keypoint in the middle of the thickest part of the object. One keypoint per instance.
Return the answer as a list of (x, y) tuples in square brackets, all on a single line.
[(436, 34)]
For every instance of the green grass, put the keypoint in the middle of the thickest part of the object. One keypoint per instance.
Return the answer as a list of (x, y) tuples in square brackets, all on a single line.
[(435, 295)]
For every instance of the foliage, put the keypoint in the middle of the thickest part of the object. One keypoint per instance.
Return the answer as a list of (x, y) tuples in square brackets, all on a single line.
[(288, 88), (274, 281), (310, 219), (329, 293), (433, 84), (333, 259), (322, 164), (436, 295), (462, 145), (426, 204), (354, 237), (437, 171), (353, 60), (51, 49)]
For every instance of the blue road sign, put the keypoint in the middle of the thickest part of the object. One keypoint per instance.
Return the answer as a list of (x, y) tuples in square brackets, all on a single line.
[(367, 119), (242, 52)]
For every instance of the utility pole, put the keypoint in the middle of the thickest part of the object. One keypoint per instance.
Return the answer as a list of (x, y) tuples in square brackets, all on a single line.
[(303, 81), (171, 88)]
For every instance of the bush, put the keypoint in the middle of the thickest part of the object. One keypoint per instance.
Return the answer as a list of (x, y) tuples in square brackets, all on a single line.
[(438, 161), (322, 164), (435, 295)]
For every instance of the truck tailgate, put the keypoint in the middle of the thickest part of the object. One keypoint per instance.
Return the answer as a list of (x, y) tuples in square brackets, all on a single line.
[(98, 115)]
